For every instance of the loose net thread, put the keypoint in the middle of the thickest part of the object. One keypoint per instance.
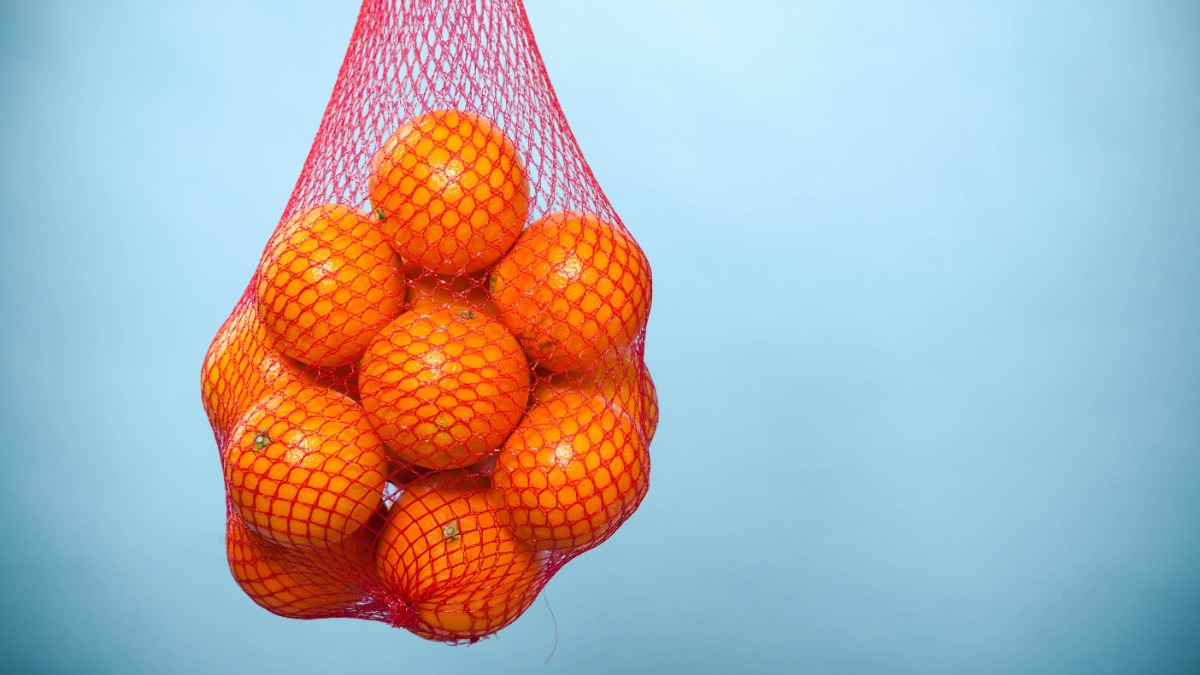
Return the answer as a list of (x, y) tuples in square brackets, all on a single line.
[(367, 478)]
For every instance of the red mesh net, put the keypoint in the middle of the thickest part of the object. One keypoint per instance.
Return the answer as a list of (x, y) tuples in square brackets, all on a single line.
[(432, 395)]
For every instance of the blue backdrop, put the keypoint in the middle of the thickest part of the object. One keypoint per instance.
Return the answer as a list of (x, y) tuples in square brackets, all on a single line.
[(925, 332)]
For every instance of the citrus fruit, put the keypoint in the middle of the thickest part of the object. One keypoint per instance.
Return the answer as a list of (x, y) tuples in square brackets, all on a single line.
[(574, 289), (342, 379), (451, 191), (649, 405), (426, 289), (621, 380), (571, 473), (327, 282), (304, 466), (446, 553), (299, 583), (444, 386), (239, 368)]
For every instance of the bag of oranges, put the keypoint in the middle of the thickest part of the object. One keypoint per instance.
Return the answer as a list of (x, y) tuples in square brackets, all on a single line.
[(431, 395)]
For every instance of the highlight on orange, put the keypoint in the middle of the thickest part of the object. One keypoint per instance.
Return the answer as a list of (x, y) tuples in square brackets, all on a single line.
[(571, 473), (444, 550), (304, 467), (326, 283), (443, 386), (311, 583), (574, 289), (450, 190)]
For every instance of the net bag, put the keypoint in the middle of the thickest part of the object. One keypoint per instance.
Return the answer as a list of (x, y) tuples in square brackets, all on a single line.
[(432, 395)]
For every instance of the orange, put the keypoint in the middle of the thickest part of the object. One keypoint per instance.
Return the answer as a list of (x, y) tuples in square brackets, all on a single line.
[(304, 467), (327, 282), (574, 289), (572, 472), (343, 379), (621, 380), (426, 289), (444, 551), (300, 583), (239, 368), (444, 386), (649, 405), (451, 191)]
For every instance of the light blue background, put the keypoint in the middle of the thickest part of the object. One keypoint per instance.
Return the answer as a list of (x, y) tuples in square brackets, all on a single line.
[(926, 332)]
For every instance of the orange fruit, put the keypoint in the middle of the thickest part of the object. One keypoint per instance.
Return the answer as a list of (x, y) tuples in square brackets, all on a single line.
[(300, 583), (327, 282), (450, 190), (304, 467), (574, 289), (620, 380), (239, 368), (445, 552), (444, 386), (572, 472), (649, 405), (343, 379), (426, 289)]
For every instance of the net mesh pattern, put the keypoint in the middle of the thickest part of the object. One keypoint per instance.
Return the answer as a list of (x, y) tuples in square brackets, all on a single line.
[(432, 394)]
